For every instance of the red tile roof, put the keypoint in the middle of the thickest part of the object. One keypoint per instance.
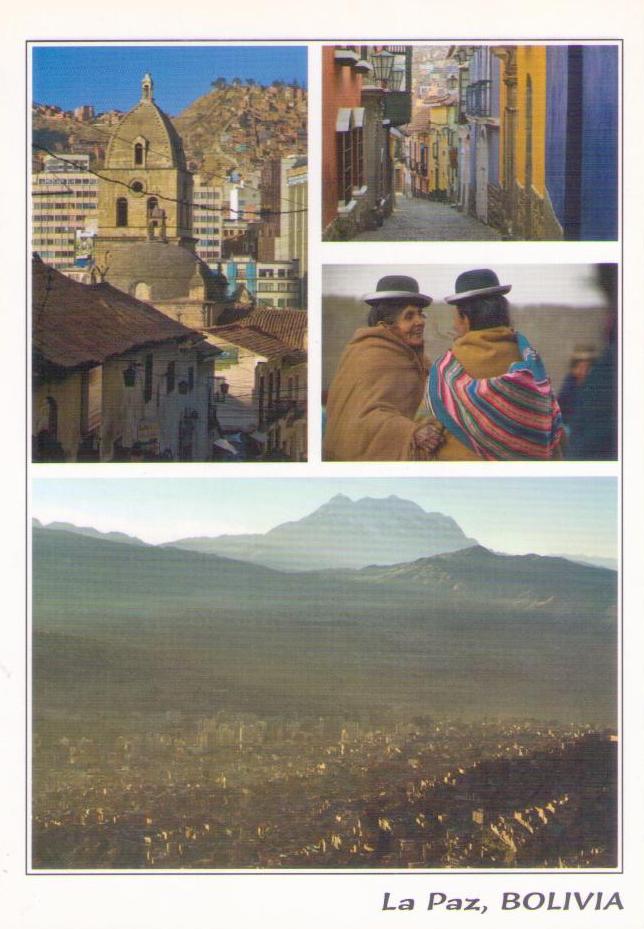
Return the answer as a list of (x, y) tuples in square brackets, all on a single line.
[(289, 326), (76, 325), (251, 339)]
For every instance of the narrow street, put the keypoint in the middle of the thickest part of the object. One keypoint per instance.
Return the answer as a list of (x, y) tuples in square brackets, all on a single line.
[(420, 220)]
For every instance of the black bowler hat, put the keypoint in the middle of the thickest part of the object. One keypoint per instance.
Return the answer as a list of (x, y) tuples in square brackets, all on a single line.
[(480, 283), (397, 287)]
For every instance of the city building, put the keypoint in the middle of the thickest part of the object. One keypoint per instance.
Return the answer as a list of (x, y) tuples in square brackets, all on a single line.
[(207, 221), (268, 283), (114, 379), (64, 217), (244, 202), (297, 192), (85, 113)]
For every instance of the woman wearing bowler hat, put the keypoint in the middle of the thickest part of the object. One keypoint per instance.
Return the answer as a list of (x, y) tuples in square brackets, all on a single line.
[(380, 381), (490, 391)]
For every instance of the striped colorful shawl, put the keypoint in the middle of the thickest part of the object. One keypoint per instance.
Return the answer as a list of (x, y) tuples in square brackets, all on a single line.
[(513, 416)]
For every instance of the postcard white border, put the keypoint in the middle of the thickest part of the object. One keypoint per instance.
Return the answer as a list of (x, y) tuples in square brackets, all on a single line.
[(285, 901)]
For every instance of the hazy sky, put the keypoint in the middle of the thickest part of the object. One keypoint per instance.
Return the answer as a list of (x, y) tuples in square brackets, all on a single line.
[(109, 76), (515, 515), (566, 284)]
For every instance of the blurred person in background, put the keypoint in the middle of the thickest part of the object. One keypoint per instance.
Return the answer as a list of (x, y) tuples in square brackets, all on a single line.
[(593, 425), (581, 362)]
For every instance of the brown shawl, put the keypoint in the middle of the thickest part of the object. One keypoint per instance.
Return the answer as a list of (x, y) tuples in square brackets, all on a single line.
[(375, 395)]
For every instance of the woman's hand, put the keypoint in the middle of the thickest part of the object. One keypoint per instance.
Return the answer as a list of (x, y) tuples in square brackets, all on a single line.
[(429, 437)]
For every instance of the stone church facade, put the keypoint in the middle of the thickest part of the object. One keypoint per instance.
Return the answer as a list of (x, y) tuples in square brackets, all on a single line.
[(145, 245)]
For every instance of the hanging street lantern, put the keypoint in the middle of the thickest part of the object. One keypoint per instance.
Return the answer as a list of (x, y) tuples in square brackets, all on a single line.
[(129, 375), (383, 63), (396, 79)]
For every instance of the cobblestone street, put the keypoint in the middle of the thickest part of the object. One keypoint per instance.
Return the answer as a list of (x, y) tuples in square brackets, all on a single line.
[(419, 220)]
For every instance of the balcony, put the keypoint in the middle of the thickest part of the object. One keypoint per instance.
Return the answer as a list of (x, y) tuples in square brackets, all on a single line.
[(478, 98), (346, 55), (281, 409), (398, 107)]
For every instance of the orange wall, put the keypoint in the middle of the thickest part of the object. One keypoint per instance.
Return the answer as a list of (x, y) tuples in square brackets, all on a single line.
[(341, 86)]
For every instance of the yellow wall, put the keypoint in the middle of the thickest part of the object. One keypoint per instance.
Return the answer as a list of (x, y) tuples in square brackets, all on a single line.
[(503, 100), (67, 394), (114, 413), (531, 61)]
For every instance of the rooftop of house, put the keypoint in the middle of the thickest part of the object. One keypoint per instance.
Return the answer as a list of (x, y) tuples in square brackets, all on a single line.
[(80, 325), (287, 325), (253, 340)]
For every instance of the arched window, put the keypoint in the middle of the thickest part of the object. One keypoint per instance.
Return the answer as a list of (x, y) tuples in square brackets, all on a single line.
[(121, 211), (153, 203), (142, 291), (138, 153)]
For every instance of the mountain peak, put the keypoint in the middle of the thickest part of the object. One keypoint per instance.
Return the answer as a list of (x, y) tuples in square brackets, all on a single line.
[(346, 534), (339, 499)]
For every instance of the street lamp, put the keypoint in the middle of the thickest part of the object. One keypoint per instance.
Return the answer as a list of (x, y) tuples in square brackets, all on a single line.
[(383, 63), (129, 374), (397, 78)]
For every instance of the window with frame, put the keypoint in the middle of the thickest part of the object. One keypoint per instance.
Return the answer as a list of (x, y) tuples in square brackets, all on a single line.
[(350, 152), (121, 211), (357, 144), (344, 167)]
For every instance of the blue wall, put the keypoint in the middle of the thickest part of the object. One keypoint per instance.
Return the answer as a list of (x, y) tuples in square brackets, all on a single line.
[(556, 121), (582, 109), (599, 143)]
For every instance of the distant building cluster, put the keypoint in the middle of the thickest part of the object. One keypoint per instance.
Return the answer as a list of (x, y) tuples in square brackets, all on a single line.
[(212, 792)]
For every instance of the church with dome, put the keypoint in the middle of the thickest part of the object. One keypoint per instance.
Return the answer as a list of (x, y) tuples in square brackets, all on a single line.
[(145, 245)]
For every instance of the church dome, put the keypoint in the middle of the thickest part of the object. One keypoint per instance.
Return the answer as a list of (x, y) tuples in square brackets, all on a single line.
[(145, 137), (162, 271)]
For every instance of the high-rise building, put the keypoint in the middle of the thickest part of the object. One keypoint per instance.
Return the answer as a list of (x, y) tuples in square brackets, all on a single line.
[(207, 220), (297, 192), (283, 234), (64, 217)]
